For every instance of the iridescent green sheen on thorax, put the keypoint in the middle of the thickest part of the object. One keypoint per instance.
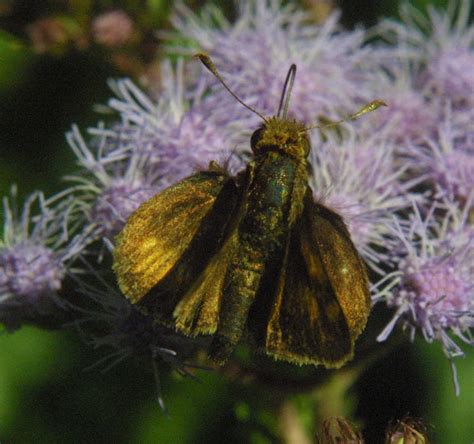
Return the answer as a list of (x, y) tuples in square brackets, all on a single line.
[(278, 183)]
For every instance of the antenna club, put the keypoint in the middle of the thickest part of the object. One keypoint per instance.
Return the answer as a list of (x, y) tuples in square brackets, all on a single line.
[(208, 63), (371, 106)]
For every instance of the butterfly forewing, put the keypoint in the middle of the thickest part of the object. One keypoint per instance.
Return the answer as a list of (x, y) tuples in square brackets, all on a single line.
[(158, 237)]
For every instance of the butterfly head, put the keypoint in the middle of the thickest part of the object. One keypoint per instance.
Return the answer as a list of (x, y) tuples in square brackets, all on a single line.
[(282, 135), (279, 133)]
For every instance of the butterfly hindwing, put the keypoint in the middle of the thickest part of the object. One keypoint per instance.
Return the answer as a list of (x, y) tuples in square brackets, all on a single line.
[(198, 311), (311, 320), (342, 262)]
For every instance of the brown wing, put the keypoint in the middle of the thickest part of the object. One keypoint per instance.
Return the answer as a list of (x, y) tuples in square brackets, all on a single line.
[(198, 310), (322, 299), (158, 237)]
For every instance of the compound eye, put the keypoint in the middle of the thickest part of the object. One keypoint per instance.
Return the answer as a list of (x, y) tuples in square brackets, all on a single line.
[(256, 136)]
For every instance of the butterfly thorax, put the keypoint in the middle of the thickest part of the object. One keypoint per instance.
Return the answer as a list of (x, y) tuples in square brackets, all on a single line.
[(275, 197), (281, 134), (281, 147)]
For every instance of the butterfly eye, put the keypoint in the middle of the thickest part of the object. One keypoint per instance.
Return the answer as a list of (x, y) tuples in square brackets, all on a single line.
[(256, 136)]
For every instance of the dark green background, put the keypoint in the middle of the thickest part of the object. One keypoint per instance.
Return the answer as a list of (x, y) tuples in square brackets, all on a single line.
[(46, 396)]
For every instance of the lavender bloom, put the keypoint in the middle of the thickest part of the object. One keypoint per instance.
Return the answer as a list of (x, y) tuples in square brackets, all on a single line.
[(116, 185), (412, 113), (451, 63), (446, 54), (255, 52), (357, 178), (446, 161), (34, 255), (155, 144), (182, 131), (435, 287)]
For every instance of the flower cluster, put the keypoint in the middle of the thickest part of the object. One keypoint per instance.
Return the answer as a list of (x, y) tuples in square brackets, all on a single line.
[(435, 289), (433, 245), (401, 178), (36, 253), (254, 53)]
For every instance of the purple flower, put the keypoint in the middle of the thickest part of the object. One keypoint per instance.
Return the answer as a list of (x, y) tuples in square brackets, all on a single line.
[(412, 113), (446, 161), (449, 74), (254, 54), (113, 183), (179, 132), (451, 55), (34, 255), (155, 144), (28, 271), (445, 56), (356, 177), (434, 291)]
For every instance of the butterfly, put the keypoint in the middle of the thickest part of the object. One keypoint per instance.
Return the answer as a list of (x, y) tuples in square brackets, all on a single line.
[(250, 256)]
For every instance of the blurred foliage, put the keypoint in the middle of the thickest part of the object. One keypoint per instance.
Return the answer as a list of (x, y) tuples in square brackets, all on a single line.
[(45, 393), (448, 415)]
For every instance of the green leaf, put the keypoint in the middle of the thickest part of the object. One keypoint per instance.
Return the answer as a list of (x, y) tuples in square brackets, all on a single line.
[(28, 357), (15, 58), (450, 416)]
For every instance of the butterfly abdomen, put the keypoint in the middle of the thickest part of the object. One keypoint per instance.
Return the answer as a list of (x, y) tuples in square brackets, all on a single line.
[(262, 233)]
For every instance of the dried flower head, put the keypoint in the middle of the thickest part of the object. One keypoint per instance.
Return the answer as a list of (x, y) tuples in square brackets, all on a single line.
[(407, 431), (112, 28), (338, 430)]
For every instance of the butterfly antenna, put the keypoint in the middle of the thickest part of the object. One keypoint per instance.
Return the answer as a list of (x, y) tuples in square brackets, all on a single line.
[(208, 63), (372, 106), (286, 93)]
